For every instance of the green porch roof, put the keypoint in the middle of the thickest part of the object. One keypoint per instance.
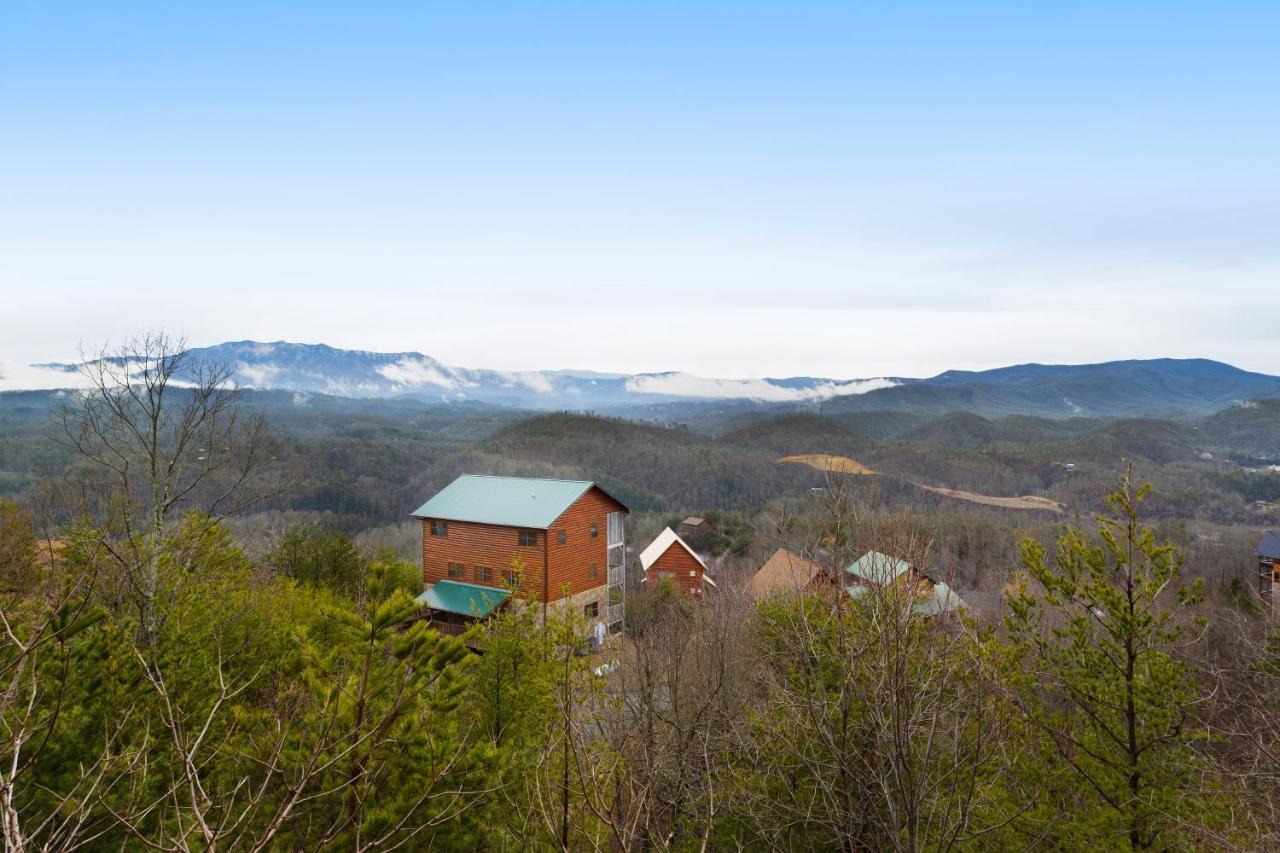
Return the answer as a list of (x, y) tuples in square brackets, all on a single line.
[(941, 599), (467, 599), (509, 501), (879, 569)]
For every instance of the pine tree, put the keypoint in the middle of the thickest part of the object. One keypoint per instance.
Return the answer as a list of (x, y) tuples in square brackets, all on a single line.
[(1097, 674)]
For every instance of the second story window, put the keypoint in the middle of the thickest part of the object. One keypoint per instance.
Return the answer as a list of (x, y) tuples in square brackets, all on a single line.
[(483, 574), (439, 528), (595, 531), (560, 538), (457, 570), (528, 538)]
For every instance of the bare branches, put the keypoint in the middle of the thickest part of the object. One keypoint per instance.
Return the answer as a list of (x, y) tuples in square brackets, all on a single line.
[(162, 433)]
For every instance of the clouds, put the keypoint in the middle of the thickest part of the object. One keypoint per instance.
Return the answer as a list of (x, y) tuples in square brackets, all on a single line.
[(798, 189)]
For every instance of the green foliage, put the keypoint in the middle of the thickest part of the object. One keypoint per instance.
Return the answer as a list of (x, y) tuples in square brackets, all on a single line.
[(18, 567), (315, 554), (1096, 667)]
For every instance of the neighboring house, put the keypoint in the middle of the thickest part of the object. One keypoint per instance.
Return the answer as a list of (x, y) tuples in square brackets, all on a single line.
[(669, 558), (1268, 555), (693, 524), (784, 572), (874, 570), (567, 537)]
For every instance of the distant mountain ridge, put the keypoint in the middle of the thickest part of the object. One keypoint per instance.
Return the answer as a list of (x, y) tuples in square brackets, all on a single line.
[(322, 369), (1157, 387), (1176, 387)]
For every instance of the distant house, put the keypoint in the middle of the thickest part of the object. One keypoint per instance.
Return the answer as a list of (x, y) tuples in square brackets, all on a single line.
[(874, 570), (784, 572), (567, 537), (693, 524), (668, 557), (1268, 555)]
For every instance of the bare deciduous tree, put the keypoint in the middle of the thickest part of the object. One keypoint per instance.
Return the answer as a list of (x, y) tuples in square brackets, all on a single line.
[(163, 433)]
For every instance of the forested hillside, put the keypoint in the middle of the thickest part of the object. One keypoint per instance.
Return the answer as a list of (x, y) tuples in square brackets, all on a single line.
[(212, 641)]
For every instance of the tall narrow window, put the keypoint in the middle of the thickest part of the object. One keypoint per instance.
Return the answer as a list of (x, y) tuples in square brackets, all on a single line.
[(511, 578), (593, 571), (560, 538), (595, 530), (439, 528), (528, 538)]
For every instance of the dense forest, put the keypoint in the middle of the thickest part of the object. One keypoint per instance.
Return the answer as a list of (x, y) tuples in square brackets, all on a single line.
[(210, 638)]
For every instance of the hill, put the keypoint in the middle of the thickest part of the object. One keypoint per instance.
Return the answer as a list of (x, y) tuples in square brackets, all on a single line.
[(1156, 387)]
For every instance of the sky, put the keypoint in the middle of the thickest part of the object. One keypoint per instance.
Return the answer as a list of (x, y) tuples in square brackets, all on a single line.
[(730, 189)]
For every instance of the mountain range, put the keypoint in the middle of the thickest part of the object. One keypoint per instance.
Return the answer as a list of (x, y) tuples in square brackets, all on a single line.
[(1117, 388)]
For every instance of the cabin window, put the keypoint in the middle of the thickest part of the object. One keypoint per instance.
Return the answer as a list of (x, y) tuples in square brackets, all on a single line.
[(592, 610), (595, 531), (439, 528), (593, 571), (511, 578), (457, 570), (483, 574), (528, 538), (561, 538), (666, 574)]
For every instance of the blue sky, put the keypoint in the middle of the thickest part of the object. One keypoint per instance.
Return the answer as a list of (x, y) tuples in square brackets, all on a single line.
[(732, 189)]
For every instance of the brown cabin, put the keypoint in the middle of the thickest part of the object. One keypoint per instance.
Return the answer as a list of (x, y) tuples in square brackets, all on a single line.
[(669, 557), (693, 524), (785, 572), (1268, 555), (556, 542)]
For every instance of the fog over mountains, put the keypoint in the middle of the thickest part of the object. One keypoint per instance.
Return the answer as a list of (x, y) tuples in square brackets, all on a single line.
[(1157, 387)]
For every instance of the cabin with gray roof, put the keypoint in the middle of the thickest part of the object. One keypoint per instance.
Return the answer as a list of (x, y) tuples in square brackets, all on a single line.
[(552, 543)]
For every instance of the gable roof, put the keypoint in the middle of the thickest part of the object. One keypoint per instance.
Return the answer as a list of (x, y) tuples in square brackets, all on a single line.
[(783, 572), (1270, 545), (508, 501), (468, 599), (880, 569), (940, 599), (660, 546)]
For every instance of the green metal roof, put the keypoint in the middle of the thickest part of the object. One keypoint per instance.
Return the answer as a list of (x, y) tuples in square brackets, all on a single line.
[(941, 599), (509, 501), (467, 599), (877, 568)]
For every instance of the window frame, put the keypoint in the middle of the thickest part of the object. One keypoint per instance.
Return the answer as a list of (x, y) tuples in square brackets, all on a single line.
[(595, 530), (527, 538), (562, 538), (511, 578), (591, 610), (593, 571), (442, 525), (461, 570), (482, 574)]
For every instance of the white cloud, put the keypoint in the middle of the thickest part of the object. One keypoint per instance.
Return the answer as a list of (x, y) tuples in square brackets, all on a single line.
[(255, 375), (29, 377), (686, 385), (416, 372)]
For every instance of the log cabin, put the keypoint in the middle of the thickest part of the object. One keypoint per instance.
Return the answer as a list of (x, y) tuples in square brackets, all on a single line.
[(876, 571), (554, 543), (669, 557), (1268, 555)]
